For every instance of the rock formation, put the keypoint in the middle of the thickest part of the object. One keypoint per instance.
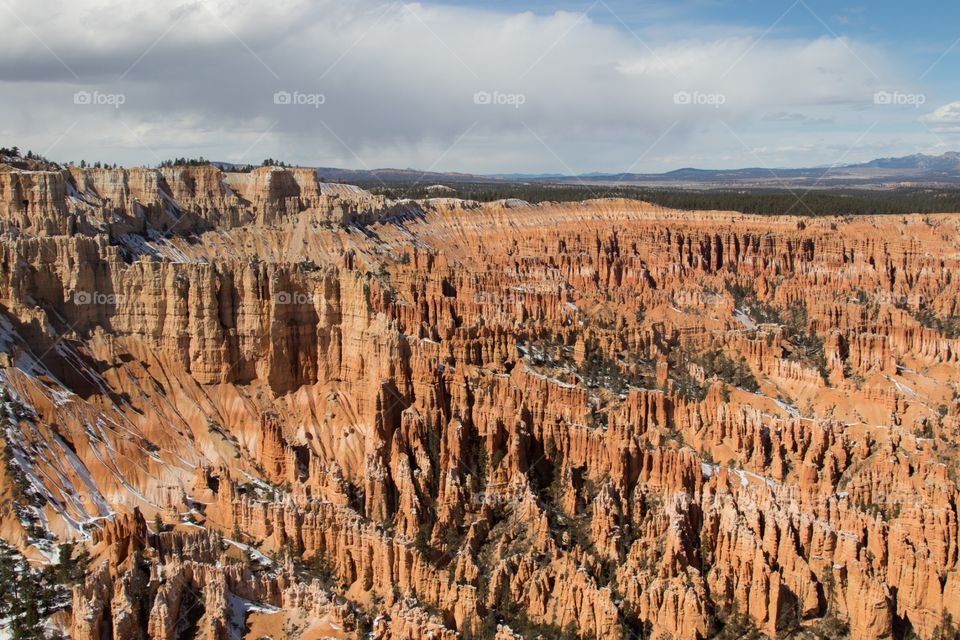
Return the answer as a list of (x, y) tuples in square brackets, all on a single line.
[(272, 406)]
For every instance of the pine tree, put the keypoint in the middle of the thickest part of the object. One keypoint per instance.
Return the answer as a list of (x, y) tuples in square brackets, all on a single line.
[(29, 605)]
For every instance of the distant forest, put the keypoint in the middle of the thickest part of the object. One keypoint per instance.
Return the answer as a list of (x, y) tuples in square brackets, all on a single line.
[(820, 202)]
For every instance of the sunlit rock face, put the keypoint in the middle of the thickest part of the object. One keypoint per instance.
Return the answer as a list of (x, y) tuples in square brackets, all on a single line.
[(272, 406)]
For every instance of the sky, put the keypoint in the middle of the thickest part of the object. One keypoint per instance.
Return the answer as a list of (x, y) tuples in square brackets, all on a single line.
[(481, 87)]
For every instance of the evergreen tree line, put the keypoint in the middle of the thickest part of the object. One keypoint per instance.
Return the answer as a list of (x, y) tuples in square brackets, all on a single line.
[(235, 168), (14, 152), (28, 596), (824, 202), (95, 165)]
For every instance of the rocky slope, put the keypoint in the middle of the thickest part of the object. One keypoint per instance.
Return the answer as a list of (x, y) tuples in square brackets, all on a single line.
[(269, 406)]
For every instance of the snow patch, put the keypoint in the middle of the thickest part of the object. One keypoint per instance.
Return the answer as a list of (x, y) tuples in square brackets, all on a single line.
[(745, 320)]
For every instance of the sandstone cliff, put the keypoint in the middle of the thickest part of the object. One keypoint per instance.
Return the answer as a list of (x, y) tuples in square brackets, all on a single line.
[(353, 416)]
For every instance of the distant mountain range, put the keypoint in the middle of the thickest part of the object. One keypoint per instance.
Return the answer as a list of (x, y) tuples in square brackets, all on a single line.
[(917, 170)]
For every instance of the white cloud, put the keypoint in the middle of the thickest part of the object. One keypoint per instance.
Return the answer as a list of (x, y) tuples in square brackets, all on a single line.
[(399, 83), (945, 119)]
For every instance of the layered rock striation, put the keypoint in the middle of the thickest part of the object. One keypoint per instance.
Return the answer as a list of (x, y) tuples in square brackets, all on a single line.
[(273, 406)]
